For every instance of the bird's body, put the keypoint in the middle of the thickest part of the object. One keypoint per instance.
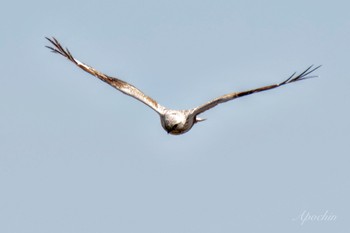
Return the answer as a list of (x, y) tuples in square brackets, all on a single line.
[(173, 121), (178, 121)]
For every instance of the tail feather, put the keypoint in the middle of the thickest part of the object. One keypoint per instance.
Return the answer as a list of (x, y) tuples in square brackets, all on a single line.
[(199, 119)]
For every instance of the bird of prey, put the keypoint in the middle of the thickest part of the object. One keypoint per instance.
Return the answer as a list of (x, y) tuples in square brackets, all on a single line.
[(175, 122)]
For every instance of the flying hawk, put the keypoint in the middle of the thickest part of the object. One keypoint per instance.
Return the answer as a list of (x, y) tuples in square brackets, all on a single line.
[(173, 121)]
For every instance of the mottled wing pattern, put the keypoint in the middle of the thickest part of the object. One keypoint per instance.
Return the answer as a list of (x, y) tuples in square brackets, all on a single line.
[(234, 95), (120, 85)]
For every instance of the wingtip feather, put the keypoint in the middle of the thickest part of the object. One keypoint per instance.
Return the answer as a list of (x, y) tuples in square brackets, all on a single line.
[(302, 76)]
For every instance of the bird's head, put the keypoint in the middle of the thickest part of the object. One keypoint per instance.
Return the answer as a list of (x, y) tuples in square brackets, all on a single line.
[(175, 122)]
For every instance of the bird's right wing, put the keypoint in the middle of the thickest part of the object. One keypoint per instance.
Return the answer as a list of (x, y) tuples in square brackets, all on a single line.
[(120, 85), (234, 95)]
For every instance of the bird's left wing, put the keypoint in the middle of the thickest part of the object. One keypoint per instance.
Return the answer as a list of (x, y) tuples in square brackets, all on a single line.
[(234, 95), (120, 85)]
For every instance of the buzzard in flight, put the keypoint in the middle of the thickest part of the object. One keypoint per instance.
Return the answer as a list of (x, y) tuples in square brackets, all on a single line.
[(173, 121)]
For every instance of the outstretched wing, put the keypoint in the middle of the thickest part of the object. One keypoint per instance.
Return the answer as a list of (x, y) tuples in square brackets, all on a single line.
[(120, 85), (234, 95)]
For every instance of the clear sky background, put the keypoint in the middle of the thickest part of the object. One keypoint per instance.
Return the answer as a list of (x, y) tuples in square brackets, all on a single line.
[(78, 156)]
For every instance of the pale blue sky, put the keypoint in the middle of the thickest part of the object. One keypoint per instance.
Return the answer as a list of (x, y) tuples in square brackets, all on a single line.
[(78, 156)]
